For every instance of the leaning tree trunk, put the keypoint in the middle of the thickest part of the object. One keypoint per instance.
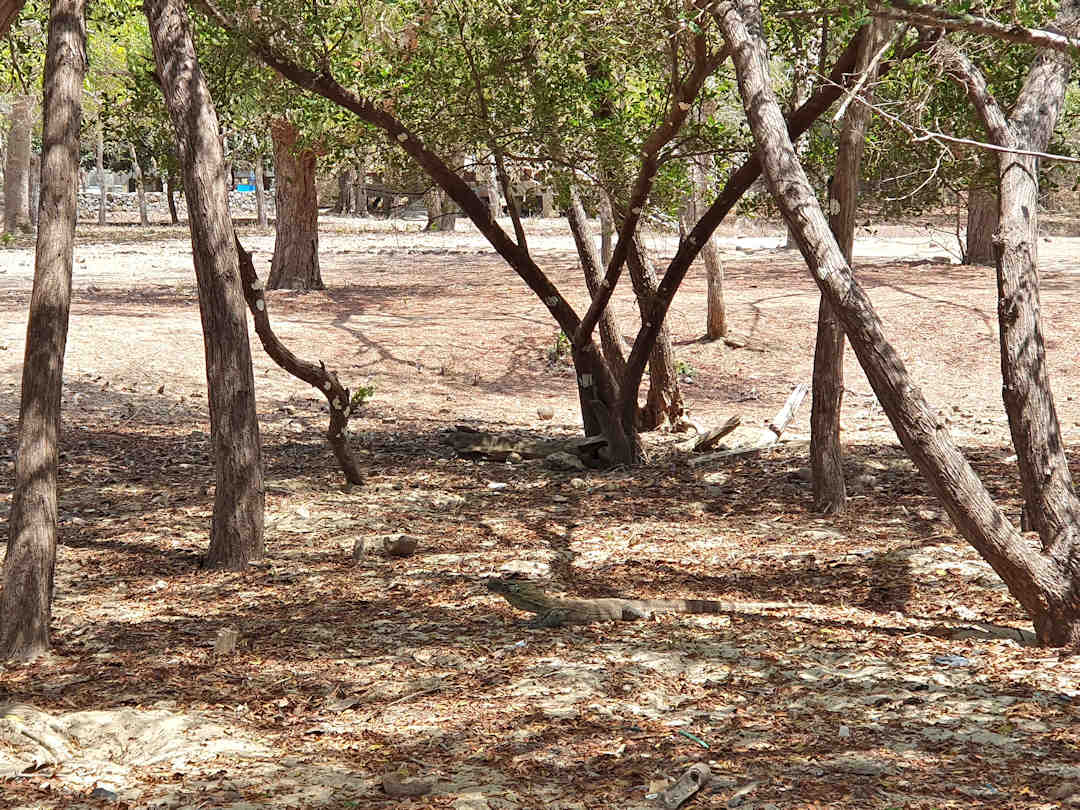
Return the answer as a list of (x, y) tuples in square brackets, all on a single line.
[(1043, 583), (26, 599), (295, 265), (664, 400), (17, 165), (260, 192), (140, 186), (99, 154), (826, 453), (236, 532), (982, 220)]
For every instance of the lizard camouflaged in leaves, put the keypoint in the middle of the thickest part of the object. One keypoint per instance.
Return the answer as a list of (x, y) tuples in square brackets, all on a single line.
[(552, 611)]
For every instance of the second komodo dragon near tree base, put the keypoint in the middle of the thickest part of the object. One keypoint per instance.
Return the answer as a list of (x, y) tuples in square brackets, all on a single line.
[(552, 611)]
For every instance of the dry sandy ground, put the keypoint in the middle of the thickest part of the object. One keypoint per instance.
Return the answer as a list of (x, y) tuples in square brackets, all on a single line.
[(876, 687)]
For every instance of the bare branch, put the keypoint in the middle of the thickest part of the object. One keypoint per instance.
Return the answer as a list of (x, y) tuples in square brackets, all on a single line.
[(925, 14)]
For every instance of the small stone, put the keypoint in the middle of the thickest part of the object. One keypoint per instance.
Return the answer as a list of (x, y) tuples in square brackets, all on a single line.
[(227, 638), (578, 483), (564, 462), (545, 412)]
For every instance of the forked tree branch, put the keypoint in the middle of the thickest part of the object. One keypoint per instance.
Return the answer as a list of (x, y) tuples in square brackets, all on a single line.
[(932, 16)]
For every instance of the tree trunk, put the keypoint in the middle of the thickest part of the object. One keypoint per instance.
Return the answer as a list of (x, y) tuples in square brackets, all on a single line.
[(260, 192), (170, 195), (826, 452), (433, 202), (17, 165), (1043, 583), (295, 265), (140, 186), (236, 532), (547, 203), (715, 312), (26, 599), (360, 207), (345, 181), (982, 220), (607, 228), (491, 175), (34, 188), (664, 400), (610, 336), (99, 152)]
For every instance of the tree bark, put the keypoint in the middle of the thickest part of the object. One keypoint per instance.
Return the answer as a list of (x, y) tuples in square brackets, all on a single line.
[(826, 452), (360, 204), (345, 180), (1050, 503), (664, 400), (607, 227), (170, 195), (715, 312), (1039, 581), (295, 265), (260, 192), (34, 188), (26, 599), (17, 165), (982, 220), (99, 153), (236, 532), (610, 335), (491, 177), (140, 186)]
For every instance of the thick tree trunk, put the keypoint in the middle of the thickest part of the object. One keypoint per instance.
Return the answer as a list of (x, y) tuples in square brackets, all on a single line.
[(610, 336), (360, 206), (236, 532), (260, 192), (1041, 582), (982, 220), (17, 165), (295, 265), (664, 400), (99, 154), (826, 453), (140, 186), (26, 599)]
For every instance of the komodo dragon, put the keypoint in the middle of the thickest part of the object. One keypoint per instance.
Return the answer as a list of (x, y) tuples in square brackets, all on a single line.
[(552, 611)]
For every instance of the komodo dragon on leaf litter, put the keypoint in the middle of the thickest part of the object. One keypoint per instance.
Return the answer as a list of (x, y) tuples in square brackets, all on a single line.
[(553, 611)]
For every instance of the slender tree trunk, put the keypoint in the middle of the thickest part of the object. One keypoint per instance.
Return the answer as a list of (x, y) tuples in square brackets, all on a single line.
[(345, 181), (26, 599), (826, 452), (360, 205), (715, 312), (140, 186), (236, 532), (433, 201), (982, 220), (494, 201), (1043, 582), (17, 165), (99, 152), (547, 203), (295, 265), (664, 400), (607, 227), (260, 192), (610, 336), (170, 195), (35, 188)]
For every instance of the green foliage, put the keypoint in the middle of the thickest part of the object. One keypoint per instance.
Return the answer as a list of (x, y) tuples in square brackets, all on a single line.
[(360, 396), (559, 351)]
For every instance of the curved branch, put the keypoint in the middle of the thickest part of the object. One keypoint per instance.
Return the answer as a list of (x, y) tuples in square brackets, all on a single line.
[(337, 396)]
